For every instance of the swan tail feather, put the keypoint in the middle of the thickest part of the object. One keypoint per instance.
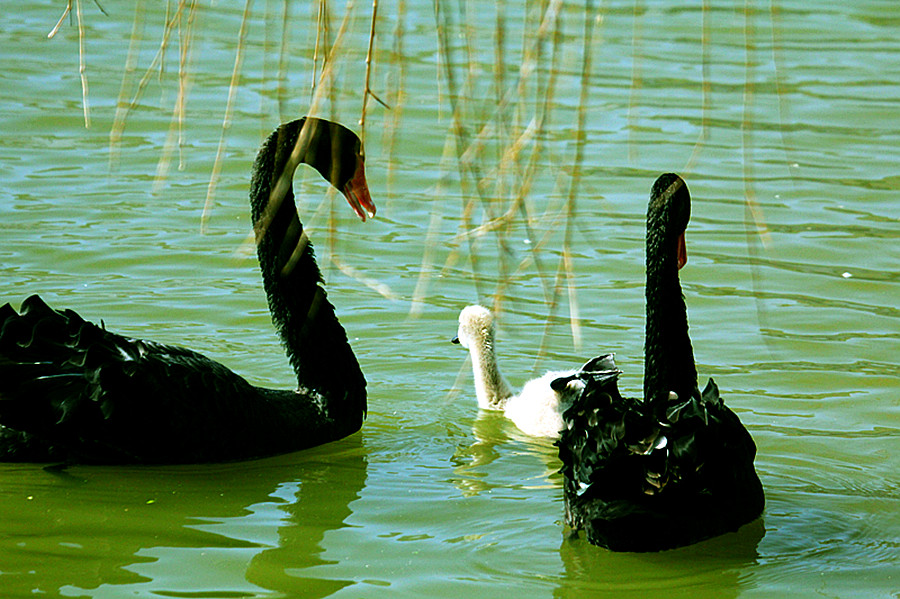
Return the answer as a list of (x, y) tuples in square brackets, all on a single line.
[(598, 367)]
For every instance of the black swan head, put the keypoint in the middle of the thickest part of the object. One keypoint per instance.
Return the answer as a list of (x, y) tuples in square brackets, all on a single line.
[(332, 149)]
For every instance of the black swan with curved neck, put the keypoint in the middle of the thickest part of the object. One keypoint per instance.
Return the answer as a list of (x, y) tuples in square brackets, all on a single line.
[(675, 467), (71, 391)]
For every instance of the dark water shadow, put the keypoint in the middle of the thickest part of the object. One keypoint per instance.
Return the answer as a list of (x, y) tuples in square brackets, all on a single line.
[(176, 531), (717, 563), (322, 504)]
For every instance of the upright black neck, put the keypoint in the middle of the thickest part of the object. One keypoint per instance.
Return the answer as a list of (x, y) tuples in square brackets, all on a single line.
[(668, 355), (314, 340)]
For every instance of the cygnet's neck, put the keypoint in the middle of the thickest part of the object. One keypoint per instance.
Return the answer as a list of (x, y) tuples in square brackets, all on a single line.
[(491, 388)]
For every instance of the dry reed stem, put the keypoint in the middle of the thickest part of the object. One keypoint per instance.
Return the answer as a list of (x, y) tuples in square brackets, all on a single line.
[(747, 119), (59, 23), (705, 90), (566, 272), (427, 267), (368, 88), (280, 79), (420, 292), (175, 135), (636, 76), (459, 134), (283, 57), (122, 109), (226, 121), (118, 126), (82, 67), (549, 29), (382, 289), (754, 224), (163, 49), (398, 65), (321, 30), (465, 371), (784, 116)]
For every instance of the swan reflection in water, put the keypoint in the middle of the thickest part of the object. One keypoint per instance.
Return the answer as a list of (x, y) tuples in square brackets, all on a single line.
[(495, 437), (719, 563), (222, 529)]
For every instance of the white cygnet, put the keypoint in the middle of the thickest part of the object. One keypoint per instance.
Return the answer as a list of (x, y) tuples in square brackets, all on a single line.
[(537, 409)]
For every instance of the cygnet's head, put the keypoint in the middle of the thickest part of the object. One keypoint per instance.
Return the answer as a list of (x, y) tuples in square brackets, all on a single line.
[(476, 325)]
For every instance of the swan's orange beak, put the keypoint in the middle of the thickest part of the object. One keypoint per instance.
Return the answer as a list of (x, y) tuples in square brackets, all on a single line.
[(682, 252), (357, 192)]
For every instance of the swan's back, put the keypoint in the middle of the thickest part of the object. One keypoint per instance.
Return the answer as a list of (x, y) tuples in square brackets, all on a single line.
[(71, 390)]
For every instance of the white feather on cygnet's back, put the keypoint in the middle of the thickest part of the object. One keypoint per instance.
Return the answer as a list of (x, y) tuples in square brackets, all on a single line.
[(537, 409)]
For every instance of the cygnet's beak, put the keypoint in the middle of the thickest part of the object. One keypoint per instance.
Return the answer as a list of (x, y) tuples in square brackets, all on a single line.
[(455, 340)]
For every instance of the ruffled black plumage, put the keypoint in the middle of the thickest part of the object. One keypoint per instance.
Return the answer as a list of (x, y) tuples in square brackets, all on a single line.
[(634, 482), (72, 391)]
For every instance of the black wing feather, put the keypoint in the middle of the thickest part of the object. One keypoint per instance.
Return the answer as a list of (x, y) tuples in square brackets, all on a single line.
[(66, 382)]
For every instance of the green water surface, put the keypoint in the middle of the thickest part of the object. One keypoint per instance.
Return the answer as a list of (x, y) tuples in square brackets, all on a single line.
[(782, 118)]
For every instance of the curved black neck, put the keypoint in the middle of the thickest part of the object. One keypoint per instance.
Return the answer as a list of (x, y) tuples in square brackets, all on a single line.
[(668, 355), (314, 340)]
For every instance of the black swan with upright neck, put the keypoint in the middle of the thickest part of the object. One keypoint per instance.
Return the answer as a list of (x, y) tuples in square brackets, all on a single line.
[(675, 467), (71, 391)]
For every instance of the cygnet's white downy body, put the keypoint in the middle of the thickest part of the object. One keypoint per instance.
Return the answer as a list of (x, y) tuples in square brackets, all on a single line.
[(537, 409)]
